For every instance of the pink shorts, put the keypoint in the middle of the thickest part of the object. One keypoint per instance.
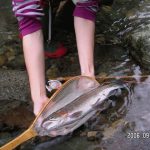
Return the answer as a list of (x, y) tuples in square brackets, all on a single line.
[(29, 13)]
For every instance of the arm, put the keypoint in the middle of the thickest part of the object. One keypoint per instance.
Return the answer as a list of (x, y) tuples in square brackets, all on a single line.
[(34, 59), (85, 30), (30, 29), (84, 22)]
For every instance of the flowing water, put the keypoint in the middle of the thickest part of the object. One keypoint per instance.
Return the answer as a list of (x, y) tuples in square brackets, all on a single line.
[(125, 123), (131, 16)]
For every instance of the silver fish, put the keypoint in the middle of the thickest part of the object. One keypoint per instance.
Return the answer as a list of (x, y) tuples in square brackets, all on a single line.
[(76, 113)]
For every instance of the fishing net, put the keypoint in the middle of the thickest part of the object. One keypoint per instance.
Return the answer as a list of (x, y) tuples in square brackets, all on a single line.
[(69, 91)]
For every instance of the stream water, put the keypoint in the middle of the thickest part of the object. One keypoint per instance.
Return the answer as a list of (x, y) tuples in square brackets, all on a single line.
[(122, 126)]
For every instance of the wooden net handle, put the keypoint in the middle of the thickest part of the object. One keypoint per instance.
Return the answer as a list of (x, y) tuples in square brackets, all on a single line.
[(28, 134)]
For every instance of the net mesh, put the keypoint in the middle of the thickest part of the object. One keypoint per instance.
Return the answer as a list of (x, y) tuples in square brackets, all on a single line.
[(71, 90)]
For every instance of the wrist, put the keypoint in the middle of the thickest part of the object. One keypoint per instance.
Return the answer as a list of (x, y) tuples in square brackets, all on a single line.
[(89, 74), (39, 103), (37, 99)]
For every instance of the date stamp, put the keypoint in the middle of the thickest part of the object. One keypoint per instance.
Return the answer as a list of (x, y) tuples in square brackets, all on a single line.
[(138, 135)]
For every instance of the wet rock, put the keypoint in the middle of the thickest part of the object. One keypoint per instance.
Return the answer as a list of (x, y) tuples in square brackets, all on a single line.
[(27, 145), (100, 39), (91, 135), (14, 85), (73, 59), (10, 54), (3, 60), (94, 135), (15, 115), (110, 131), (7, 105), (139, 40), (99, 148), (107, 9), (17, 62), (52, 71), (4, 137), (101, 125), (15, 119), (128, 127), (83, 134), (12, 112), (50, 143), (128, 21), (134, 29)]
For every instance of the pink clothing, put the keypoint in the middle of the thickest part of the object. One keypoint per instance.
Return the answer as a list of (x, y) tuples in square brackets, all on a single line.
[(86, 9), (29, 13)]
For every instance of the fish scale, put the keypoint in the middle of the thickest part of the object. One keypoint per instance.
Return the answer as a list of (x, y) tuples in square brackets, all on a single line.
[(82, 106)]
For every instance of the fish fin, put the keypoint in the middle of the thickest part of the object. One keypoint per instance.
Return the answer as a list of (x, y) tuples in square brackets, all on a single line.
[(46, 124), (97, 103), (76, 114), (113, 92)]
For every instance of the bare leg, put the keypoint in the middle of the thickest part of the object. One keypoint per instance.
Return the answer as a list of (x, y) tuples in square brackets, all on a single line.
[(85, 30), (34, 58)]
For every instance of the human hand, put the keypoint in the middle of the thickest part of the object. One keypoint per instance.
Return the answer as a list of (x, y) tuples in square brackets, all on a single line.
[(85, 84), (39, 104)]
